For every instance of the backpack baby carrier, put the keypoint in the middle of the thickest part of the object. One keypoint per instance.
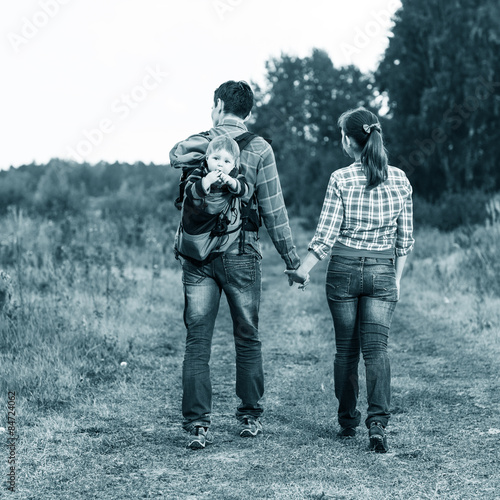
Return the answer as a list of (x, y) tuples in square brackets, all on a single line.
[(202, 237)]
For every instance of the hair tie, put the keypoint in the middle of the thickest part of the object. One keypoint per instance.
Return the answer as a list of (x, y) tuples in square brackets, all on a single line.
[(369, 128)]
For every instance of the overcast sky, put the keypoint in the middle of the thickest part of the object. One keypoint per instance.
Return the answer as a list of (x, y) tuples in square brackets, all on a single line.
[(123, 80)]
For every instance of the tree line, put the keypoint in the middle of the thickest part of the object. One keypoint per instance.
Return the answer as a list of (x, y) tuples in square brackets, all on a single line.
[(62, 188), (436, 90)]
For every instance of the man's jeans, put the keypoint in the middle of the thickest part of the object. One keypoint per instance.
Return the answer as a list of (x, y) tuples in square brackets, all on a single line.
[(240, 278), (362, 295)]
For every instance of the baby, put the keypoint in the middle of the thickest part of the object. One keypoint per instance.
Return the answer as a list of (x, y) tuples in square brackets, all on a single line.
[(211, 187)]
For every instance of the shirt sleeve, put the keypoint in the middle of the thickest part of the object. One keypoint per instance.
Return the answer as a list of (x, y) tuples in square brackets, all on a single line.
[(273, 210), (329, 222), (242, 189), (189, 152), (404, 235), (194, 188)]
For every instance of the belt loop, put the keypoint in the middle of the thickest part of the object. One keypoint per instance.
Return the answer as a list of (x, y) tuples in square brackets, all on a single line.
[(241, 243)]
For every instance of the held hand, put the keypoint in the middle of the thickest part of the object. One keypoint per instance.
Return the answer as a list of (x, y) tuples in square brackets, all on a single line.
[(303, 285), (297, 276)]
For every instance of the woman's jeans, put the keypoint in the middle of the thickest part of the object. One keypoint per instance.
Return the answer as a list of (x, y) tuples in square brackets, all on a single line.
[(362, 295), (240, 278)]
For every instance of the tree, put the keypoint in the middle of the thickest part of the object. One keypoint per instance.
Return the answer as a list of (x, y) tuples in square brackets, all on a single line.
[(298, 108), (441, 72), (55, 196)]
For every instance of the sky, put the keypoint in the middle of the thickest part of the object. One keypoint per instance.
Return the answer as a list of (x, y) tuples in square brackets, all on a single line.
[(123, 80)]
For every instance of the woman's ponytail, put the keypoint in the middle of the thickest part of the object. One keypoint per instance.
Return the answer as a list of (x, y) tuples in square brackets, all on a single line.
[(374, 157), (364, 128)]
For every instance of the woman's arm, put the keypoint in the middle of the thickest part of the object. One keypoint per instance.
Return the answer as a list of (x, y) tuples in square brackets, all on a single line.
[(301, 275), (404, 236), (399, 265), (330, 220)]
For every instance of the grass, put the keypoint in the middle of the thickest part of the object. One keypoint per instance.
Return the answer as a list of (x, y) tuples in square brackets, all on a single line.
[(91, 427)]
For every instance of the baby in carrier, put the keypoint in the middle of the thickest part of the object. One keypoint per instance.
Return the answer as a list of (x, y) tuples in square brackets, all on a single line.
[(211, 209)]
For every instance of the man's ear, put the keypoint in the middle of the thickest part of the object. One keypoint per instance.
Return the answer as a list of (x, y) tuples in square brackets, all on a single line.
[(220, 105)]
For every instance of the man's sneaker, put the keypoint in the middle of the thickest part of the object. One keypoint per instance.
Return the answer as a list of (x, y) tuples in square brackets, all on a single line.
[(251, 426), (346, 432), (378, 439), (199, 437)]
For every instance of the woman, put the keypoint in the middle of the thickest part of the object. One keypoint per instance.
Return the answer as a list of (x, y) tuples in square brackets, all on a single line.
[(367, 224)]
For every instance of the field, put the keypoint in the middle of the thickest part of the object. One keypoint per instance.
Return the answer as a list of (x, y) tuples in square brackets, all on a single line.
[(92, 344)]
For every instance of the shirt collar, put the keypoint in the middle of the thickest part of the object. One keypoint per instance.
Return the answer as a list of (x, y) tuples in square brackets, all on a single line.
[(235, 122)]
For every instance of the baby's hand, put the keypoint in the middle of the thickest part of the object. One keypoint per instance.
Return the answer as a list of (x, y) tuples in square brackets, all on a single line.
[(228, 180), (210, 179), (213, 177)]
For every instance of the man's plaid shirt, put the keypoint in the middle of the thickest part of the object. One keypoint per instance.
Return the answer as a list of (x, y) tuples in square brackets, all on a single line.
[(374, 220), (259, 168)]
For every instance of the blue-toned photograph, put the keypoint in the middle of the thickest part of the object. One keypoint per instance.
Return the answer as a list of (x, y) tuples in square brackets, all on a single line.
[(250, 250)]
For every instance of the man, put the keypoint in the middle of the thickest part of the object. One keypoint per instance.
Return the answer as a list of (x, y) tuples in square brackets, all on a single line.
[(237, 272)]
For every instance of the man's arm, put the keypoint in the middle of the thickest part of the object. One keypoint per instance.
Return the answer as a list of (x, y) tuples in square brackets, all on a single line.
[(273, 210)]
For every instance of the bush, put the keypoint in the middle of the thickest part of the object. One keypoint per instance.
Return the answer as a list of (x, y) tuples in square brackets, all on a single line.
[(14, 189), (452, 210), (481, 264)]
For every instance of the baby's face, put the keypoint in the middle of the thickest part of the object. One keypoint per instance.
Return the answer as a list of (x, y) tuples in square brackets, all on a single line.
[(221, 160)]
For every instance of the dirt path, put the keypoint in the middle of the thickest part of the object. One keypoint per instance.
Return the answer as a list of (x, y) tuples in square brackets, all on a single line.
[(124, 440), (444, 430)]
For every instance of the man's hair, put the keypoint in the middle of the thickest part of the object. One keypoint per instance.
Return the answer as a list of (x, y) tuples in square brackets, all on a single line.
[(224, 142), (237, 98)]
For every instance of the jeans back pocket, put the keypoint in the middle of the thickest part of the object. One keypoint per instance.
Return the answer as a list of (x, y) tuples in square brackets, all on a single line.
[(385, 287), (337, 284), (240, 270)]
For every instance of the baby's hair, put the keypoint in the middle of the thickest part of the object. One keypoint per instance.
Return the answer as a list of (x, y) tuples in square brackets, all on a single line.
[(363, 127), (224, 142)]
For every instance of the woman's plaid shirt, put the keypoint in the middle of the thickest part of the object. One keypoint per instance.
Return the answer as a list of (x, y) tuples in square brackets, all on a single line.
[(377, 219)]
